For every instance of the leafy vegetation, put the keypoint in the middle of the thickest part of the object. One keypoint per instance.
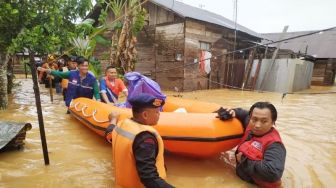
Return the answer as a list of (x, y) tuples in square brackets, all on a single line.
[(129, 19), (37, 27)]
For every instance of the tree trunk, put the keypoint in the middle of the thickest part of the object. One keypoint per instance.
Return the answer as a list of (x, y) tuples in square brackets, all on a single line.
[(10, 74), (113, 50), (3, 81)]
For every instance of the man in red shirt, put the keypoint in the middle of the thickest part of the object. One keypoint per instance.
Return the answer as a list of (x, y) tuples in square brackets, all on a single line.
[(111, 86)]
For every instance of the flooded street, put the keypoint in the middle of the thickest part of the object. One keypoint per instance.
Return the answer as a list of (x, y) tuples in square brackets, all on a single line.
[(80, 158)]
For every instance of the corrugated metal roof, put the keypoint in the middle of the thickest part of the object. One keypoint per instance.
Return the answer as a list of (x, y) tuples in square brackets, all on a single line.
[(321, 45), (188, 11)]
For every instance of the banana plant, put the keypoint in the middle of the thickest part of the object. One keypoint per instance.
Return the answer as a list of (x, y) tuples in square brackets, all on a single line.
[(129, 20), (85, 40)]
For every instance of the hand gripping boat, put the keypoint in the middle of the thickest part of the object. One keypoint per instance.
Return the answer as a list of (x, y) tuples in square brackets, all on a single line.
[(197, 134)]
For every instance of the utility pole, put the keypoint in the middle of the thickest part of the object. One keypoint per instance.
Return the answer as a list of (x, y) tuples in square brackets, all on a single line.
[(235, 15)]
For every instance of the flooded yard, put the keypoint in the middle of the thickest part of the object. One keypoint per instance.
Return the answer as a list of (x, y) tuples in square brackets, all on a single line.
[(80, 158)]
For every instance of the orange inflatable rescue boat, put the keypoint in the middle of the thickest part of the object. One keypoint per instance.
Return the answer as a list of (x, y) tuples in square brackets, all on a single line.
[(197, 133)]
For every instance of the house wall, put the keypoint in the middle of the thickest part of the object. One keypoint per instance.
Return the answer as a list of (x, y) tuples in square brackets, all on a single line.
[(224, 71), (324, 72), (318, 74), (169, 41), (146, 52), (158, 45), (158, 15), (167, 35), (286, 75), (303, 75)]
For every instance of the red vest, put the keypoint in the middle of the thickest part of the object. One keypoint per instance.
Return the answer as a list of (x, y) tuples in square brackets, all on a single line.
[(254, 149)]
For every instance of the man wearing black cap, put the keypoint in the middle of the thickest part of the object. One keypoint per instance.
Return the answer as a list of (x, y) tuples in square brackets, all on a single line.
[(137, 146)]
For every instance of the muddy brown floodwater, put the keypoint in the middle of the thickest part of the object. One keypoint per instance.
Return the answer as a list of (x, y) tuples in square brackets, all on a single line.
[(80, 158)]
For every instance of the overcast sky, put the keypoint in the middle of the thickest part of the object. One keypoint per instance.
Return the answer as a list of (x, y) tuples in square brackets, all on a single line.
[(265, 16)]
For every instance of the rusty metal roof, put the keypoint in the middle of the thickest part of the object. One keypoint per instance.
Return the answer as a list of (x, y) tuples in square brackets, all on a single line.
[(321, 45), (188, 11)]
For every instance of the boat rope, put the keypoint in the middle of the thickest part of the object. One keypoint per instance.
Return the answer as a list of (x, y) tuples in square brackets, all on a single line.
[(76, 107), (83, 112), (94, 117)]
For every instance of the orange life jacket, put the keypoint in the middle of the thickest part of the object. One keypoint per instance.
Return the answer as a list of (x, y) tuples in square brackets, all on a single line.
[(126, 175), (65, 81), (254, 149)]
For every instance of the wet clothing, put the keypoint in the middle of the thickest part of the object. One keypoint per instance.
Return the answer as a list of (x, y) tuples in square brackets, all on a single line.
[(262, 168), (138, 152), (145, 149), (112, 89), (77, 87), (43, 76)]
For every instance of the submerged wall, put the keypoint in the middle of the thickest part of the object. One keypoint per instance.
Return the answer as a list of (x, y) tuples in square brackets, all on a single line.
[(286, 75)]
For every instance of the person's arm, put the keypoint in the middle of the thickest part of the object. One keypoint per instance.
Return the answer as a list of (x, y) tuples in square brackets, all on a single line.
[(53, 72), (105, 98), (60, 74), (145, 150), (242, 115), (41, 72), (271, 167), (239, 113), (123, 88), (103, 91), (113, 118), (125, 91), (96, 91)]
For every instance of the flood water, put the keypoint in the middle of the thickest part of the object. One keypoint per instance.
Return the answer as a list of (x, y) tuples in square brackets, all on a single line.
[(79, 158)]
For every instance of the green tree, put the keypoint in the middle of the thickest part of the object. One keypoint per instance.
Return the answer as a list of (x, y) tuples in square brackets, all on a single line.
[(84, 43), (36, 26), (9, 28)]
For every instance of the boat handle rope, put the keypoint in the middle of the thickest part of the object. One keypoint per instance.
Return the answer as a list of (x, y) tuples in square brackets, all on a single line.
[(83, 111), (81, 108), (94, 117)]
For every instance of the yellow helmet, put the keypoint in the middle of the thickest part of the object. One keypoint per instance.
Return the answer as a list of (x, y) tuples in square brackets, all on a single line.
[(51, 58)]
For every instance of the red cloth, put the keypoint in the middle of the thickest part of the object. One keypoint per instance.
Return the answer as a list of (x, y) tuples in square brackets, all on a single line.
[(201, 63), (117, 87)]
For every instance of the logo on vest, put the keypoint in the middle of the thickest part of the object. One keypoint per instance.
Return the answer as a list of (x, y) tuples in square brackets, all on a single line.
[(256, 145), (74, 81)]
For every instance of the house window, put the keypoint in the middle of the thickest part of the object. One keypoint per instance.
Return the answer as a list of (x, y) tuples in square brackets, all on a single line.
[(205, 45)]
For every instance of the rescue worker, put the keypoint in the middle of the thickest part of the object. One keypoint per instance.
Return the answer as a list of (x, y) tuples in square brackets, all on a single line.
[(82, 83), (111, 86), (43, 78), (260, 156), (137, 146), (58, 80), (71, 64)]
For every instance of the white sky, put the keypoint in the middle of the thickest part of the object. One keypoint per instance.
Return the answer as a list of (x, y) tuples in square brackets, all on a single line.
[(265, 16)]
